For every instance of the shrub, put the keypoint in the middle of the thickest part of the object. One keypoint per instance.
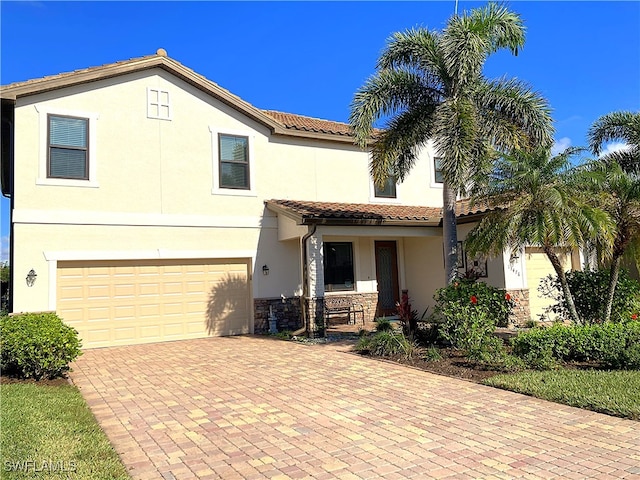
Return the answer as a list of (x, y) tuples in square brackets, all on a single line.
[(383, 324), (37, 345), (613, 345), (468, 312), (589, 289), (385, 344), (494, 302)]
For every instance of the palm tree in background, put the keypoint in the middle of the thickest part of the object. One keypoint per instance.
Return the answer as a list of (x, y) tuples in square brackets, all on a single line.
[(430, 85), (623, 126), (617, 176), (538, 202)]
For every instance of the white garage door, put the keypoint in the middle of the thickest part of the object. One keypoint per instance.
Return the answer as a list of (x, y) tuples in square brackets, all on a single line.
[(142, 301), (539, 267)]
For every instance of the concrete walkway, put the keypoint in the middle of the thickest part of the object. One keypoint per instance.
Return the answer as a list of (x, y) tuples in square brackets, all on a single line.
[(249, 408)]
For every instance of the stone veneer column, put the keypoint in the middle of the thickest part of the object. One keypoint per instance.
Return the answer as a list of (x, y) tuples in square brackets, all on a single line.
[(315, 275), (521, 312)]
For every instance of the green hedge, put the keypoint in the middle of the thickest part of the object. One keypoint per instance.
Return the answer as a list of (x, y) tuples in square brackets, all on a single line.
[(614, 345), (37, 345)]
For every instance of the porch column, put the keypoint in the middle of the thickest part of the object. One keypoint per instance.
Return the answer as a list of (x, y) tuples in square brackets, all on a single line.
[(315, 278), (515, 283)]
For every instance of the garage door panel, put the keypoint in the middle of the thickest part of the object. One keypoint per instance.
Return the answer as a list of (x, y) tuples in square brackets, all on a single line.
[(129, 302), (123, 333)]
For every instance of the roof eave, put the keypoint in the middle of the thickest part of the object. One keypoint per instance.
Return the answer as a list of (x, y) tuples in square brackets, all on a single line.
[(374, 222)]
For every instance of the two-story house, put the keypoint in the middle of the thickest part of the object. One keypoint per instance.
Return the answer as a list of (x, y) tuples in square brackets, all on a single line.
[(150, 204)]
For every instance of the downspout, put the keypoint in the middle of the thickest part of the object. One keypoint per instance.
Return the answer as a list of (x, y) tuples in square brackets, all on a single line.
[(305, 280)]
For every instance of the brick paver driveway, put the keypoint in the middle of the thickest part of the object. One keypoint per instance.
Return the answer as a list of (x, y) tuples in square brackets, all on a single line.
[(246, 407)]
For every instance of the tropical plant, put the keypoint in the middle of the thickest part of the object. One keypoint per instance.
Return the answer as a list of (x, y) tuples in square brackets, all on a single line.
[(497, 303), (617, 179), (431, 87), (588, 288), (537, 202)]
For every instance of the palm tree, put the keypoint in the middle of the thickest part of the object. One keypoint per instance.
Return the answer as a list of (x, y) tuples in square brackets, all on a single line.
[(618, 178), (623, 126), (430, 85), (537, 202)]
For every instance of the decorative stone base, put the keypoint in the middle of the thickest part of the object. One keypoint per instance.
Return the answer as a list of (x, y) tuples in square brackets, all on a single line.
[(287, 313), (521, 312), (315, 309)]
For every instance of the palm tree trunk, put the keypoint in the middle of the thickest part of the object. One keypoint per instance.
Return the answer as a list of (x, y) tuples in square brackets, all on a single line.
[(557, 266), (449, 233), (613, 282)]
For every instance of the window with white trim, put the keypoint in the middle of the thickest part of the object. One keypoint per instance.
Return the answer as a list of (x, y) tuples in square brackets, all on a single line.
[(158, 104), (68, 147), (388, 190), (437, 170), (233, 152)]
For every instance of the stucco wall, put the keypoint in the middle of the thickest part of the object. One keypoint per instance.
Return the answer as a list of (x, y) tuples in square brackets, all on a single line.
[(153, 190)]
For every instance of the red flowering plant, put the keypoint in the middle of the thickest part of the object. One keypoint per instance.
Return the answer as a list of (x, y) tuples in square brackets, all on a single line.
[(468, 312)]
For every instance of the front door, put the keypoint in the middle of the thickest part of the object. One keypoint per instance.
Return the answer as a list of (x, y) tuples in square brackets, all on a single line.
[(387, 277)]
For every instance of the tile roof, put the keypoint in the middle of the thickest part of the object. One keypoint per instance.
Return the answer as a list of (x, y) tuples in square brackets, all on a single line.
[(309, 124), (356, 213), (306, 212), (464, 208), (279, 122)]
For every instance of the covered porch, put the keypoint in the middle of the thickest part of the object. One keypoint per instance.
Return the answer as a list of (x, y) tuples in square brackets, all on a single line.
[(357, 259)]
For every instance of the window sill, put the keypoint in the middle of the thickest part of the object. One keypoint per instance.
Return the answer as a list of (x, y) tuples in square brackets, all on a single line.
[(385, 200), (234, 193), (67, 182)]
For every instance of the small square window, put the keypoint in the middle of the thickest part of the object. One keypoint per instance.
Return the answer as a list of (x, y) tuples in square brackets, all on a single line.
[(388, 190), (67, 149), (234, 161), (158, 104), (338, 266), (437, 170)]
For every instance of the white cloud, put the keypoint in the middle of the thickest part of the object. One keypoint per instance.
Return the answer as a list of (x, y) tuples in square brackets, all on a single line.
[(4, 249), (614, 147), (560, 146)]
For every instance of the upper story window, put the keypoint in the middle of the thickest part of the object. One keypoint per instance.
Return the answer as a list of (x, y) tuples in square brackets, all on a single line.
[(437, 170), (234, 161), (388, 190), (68, 147), (158, 104), (338, 266)]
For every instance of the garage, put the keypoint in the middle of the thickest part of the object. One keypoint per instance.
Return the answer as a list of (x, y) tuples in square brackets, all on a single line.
[(142, 301), (539, 267)]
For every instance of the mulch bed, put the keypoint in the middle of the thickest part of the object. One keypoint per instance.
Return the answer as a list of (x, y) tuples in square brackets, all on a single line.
[(56, 382)]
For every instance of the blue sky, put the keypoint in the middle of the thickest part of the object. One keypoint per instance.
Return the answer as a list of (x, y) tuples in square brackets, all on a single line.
[(310, 57)]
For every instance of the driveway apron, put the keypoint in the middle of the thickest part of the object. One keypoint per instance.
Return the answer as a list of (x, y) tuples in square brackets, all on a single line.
[(251, 408)]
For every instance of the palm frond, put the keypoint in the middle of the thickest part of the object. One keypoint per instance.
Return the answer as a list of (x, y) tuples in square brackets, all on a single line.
[(614, 126), (469, 39), (515, 116), (396, 149), (415, 49), (386, 93)]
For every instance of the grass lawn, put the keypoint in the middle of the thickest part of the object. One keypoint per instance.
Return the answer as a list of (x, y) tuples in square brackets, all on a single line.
[(611, 392), (49, 432)]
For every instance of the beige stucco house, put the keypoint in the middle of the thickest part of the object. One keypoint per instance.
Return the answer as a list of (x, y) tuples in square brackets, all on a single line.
[(150, 204)]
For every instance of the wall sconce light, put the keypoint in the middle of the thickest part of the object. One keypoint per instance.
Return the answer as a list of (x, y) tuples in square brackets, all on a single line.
[(31, 277), (265, 270), (515, 256)]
